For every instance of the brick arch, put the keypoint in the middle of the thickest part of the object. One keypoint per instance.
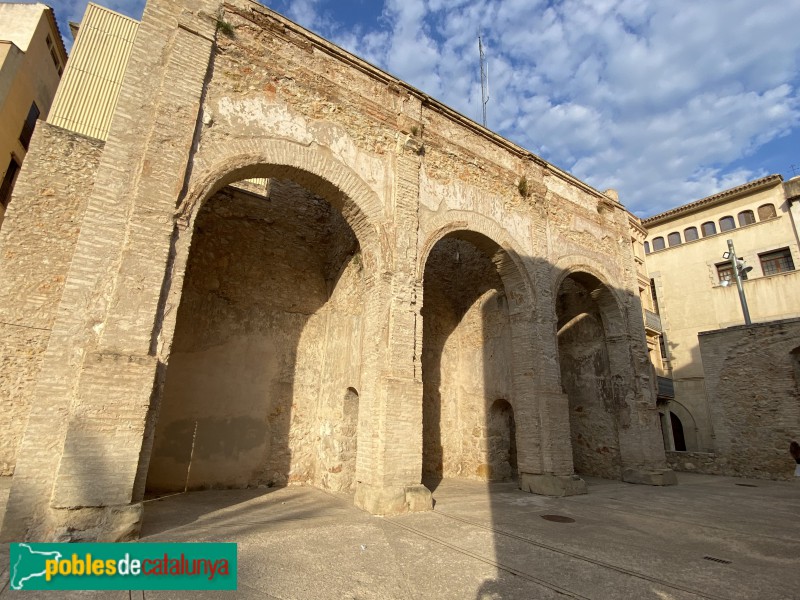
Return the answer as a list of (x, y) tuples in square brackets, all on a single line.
[(595, 279), (606, 409), (491, 239), (311, 166), (322, 174)]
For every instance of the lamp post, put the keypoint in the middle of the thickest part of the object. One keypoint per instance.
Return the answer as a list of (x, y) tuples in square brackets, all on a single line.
[(738, 270)]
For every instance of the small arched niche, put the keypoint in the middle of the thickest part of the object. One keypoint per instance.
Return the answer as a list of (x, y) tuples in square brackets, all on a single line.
[(501, 433)]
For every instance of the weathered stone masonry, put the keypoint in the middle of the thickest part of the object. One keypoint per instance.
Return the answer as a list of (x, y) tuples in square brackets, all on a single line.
[(387, 308)]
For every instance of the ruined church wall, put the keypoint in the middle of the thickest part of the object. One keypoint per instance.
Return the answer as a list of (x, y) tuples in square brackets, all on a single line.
[(401, 167), (551, 225), (36, 245), (466, 362), (259, 349)]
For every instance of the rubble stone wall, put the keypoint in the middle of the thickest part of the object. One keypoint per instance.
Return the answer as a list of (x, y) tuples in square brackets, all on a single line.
[(752, 378), (266, 346)]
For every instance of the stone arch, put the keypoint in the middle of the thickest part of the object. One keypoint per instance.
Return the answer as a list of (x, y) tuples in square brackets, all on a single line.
[(688, 422), (311, 166), (506, 317), (502, 442), (323, 176), (489, 237), (595, 368), (678, 437), (597, 279)]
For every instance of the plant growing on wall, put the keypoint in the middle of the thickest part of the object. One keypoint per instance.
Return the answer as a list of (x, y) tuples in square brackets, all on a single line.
[(225, 27), (522, 186)]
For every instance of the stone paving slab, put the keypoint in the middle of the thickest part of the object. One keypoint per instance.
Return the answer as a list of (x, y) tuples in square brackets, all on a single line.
[(490, 541)]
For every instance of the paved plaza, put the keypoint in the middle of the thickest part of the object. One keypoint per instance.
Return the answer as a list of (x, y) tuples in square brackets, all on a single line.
[(708, 537)]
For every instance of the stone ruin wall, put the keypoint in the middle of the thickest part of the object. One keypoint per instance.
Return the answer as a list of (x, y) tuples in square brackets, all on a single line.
[(267, 345), (36, 245), (752, 378), (466, 364), (367, 123), (405, 172)]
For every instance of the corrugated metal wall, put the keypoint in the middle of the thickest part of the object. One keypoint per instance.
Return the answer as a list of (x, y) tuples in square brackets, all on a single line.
[(87, 96), (89, 89)]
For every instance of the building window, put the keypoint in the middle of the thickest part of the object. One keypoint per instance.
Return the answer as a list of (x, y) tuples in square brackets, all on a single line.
[(658, 243), (690, 234), (779, 261), (725, 272), (647, 247), (746, 217), (29, 125), (709, 228), (662, 345), (674, 239), (766, 211), (54, 55), (8, 182), (726, 224)]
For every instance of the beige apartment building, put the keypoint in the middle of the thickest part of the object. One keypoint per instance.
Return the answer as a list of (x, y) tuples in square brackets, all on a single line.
[(32, 58), (695, 290)]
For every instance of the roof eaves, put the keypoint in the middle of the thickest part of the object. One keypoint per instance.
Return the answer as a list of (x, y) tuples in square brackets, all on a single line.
[(691, 207), (51, 15)]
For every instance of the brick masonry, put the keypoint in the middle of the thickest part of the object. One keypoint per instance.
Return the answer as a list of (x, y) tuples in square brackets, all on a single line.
[(37, 241), (201, 109)]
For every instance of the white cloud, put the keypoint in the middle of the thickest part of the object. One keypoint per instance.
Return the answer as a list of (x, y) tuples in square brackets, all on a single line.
[(655, 98)]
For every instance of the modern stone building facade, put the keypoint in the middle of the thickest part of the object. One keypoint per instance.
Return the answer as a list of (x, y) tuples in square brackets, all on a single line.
[(409, 296)]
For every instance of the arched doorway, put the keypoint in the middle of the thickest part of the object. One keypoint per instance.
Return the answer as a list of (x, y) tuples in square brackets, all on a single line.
[(678, 437), (584, 309), (267, 338), (468, 361), (502, 438)]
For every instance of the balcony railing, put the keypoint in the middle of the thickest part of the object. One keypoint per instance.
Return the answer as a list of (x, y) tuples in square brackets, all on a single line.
[(652, 321)]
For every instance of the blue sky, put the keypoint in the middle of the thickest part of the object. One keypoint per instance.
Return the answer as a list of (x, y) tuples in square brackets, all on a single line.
[(666, 101)]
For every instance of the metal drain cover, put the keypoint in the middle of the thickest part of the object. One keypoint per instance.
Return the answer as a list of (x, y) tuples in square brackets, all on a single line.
[(558, 518)]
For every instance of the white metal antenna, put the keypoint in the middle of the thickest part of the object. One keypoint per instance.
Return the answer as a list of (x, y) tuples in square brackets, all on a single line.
[(484, 79)]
